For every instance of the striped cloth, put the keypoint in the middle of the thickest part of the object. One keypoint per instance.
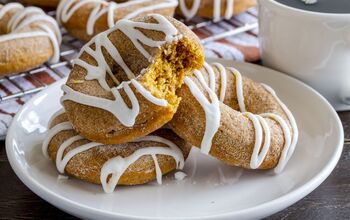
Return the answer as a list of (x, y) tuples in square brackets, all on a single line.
[(242, 47)]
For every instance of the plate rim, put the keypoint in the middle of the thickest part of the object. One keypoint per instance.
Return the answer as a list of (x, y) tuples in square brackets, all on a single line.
[(263, 209)]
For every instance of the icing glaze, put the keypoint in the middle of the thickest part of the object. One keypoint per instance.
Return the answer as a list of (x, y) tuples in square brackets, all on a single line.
[(190, 13), (8, 7), (62, 161), (25, 17), (239, 88), (261, 127), (132, 30), (118, 165), (62, 177), (52, 133), (115, 166), (223, 83), (118, 107), (179, 175), (67, 8), (289, 149), (212, 81), (211, 109)]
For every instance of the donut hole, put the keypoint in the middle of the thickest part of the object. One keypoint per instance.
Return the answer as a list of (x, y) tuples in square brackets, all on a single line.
[(171, 64)]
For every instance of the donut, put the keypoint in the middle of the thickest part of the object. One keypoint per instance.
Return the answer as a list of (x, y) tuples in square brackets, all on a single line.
[(28, 38), (213, 9), (236, 120), (134, 163), (84, 19), (42, 3), (123, 85)]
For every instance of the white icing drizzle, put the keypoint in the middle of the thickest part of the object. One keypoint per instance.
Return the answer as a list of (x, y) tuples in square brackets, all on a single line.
[(115, 166), (179, 175), (8, 7), (217, 10), (190, 13), (211, 109), (62, 177), (61, 162), (118, 165), (212, 81), (52, 133), (67, 8), (211, 76), (223, 78), (118, 107), (25, 17), (288, 150), (239, 89), (260, 124), (97, 12), (158, 170), (230, 6), (132, 30)]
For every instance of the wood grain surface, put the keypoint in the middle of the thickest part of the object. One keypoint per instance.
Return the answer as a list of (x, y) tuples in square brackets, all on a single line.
[(331, 200)]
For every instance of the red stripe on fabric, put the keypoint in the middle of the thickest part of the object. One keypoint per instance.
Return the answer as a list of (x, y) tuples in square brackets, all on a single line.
[(20, 101), (32, 81), (250, 53), (6, 90), (45, 78), (200, 33)]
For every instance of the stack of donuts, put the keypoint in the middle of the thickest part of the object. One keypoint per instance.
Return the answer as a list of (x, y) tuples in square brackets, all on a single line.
[(140, 96)]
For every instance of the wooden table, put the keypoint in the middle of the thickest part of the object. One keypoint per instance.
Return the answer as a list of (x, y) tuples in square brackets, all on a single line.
[(329, 201)]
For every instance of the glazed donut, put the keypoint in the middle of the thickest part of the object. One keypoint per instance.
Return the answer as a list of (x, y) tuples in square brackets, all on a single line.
[(28, 38), (123, 85), (133, 163), (262, 134), (42, 3), (213, 9), (84, 19)]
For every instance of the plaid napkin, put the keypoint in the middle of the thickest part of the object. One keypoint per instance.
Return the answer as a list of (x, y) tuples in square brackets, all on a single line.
[(243, 47)]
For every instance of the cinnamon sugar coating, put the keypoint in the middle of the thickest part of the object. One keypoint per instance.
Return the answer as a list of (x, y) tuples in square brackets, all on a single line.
[(234, 141), (162, 77), (87, 165)]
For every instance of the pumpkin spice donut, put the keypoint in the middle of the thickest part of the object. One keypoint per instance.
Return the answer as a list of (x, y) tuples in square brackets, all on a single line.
[(213, 9), (236, 120), (84, 19), (133, 163), (123, 85), (28, 38)]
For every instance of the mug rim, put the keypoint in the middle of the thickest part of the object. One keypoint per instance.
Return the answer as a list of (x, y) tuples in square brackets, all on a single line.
[(305, 12)]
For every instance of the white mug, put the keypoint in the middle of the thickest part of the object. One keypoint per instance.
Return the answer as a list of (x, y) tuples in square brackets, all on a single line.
[(311, 46)]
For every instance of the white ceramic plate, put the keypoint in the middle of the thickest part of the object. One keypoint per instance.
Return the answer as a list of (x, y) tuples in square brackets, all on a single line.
[(212, 190)]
